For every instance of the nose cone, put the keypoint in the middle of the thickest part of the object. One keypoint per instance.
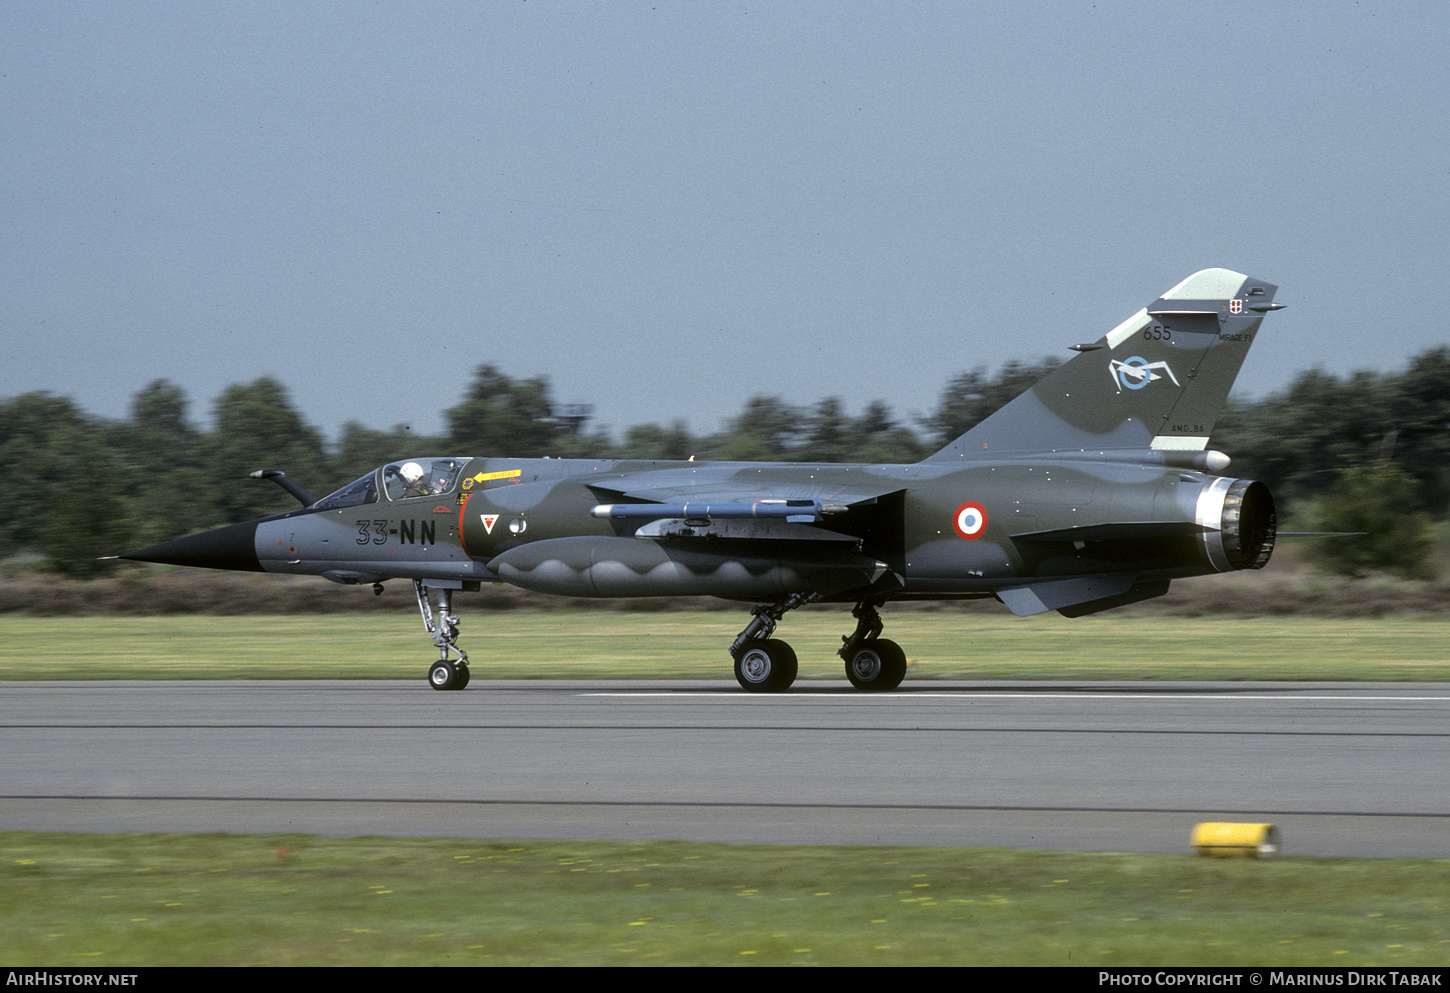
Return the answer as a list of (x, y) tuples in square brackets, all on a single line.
[(232, 547)]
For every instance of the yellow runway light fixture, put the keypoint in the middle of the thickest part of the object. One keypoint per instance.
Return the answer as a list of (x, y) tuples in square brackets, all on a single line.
[(1224, 840)]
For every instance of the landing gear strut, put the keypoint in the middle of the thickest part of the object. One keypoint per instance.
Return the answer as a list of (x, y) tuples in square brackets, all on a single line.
[(767, 665), (443, 626), (872, 662), (764, 664)]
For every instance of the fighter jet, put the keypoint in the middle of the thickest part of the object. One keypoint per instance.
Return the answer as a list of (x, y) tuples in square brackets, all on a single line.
[(1091, 490)]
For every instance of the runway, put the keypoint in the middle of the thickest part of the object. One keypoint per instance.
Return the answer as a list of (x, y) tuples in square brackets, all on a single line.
[(1343, 769)]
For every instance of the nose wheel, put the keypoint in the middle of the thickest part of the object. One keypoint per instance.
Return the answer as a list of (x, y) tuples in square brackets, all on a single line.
[(445, 675)]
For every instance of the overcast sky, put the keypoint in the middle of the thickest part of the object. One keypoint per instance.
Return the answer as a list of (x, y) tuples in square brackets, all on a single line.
[(667, 207)]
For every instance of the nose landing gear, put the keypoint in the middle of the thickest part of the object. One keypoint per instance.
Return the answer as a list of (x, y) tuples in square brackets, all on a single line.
[(444, 674)]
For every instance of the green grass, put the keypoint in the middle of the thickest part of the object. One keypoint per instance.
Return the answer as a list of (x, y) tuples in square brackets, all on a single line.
[(598, 644), (134, 900)]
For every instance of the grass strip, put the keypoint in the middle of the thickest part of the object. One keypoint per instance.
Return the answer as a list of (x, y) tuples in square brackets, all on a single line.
[(166, 900), (522, 644)]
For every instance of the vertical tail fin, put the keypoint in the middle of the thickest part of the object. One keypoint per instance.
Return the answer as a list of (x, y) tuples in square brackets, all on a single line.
[(1158, 380)]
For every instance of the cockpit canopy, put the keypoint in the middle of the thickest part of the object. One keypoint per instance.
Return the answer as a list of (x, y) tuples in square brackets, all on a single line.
[(407, 478)]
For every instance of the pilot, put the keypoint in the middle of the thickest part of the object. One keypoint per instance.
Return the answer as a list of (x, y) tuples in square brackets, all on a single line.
[(413, 484)]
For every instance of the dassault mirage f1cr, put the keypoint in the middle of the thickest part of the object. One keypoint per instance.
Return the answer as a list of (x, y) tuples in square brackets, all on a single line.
[(1092, 490)]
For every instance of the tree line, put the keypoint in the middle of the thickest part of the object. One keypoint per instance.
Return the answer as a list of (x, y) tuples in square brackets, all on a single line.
[(83, 486)]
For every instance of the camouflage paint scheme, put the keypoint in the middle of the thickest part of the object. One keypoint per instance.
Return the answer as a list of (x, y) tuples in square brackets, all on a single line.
[(1091, 490)]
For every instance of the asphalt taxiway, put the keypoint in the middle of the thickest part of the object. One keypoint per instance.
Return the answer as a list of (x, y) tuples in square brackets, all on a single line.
[(1342, 768)]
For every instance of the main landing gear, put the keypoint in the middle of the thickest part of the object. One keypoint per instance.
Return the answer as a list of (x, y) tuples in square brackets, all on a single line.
[(872, 662), (767, 665), (443, 626)]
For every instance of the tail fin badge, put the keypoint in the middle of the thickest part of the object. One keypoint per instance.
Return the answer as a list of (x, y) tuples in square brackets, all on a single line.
[(1136, 372)]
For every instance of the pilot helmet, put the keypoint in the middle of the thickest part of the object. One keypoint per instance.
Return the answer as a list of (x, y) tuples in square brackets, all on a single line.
[(411, 472)]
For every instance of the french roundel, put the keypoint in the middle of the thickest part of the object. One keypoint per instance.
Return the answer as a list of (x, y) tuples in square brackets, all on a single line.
[(970, 520)]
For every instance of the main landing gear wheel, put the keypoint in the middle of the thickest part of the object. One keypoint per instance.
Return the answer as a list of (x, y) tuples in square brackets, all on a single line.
[(448, 675), (876, 664), (763, 664), (766, 666)]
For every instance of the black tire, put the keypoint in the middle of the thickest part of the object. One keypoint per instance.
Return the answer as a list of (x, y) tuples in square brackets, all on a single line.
[(463, 675), (767, 666), (878, 664), (443, 676)]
